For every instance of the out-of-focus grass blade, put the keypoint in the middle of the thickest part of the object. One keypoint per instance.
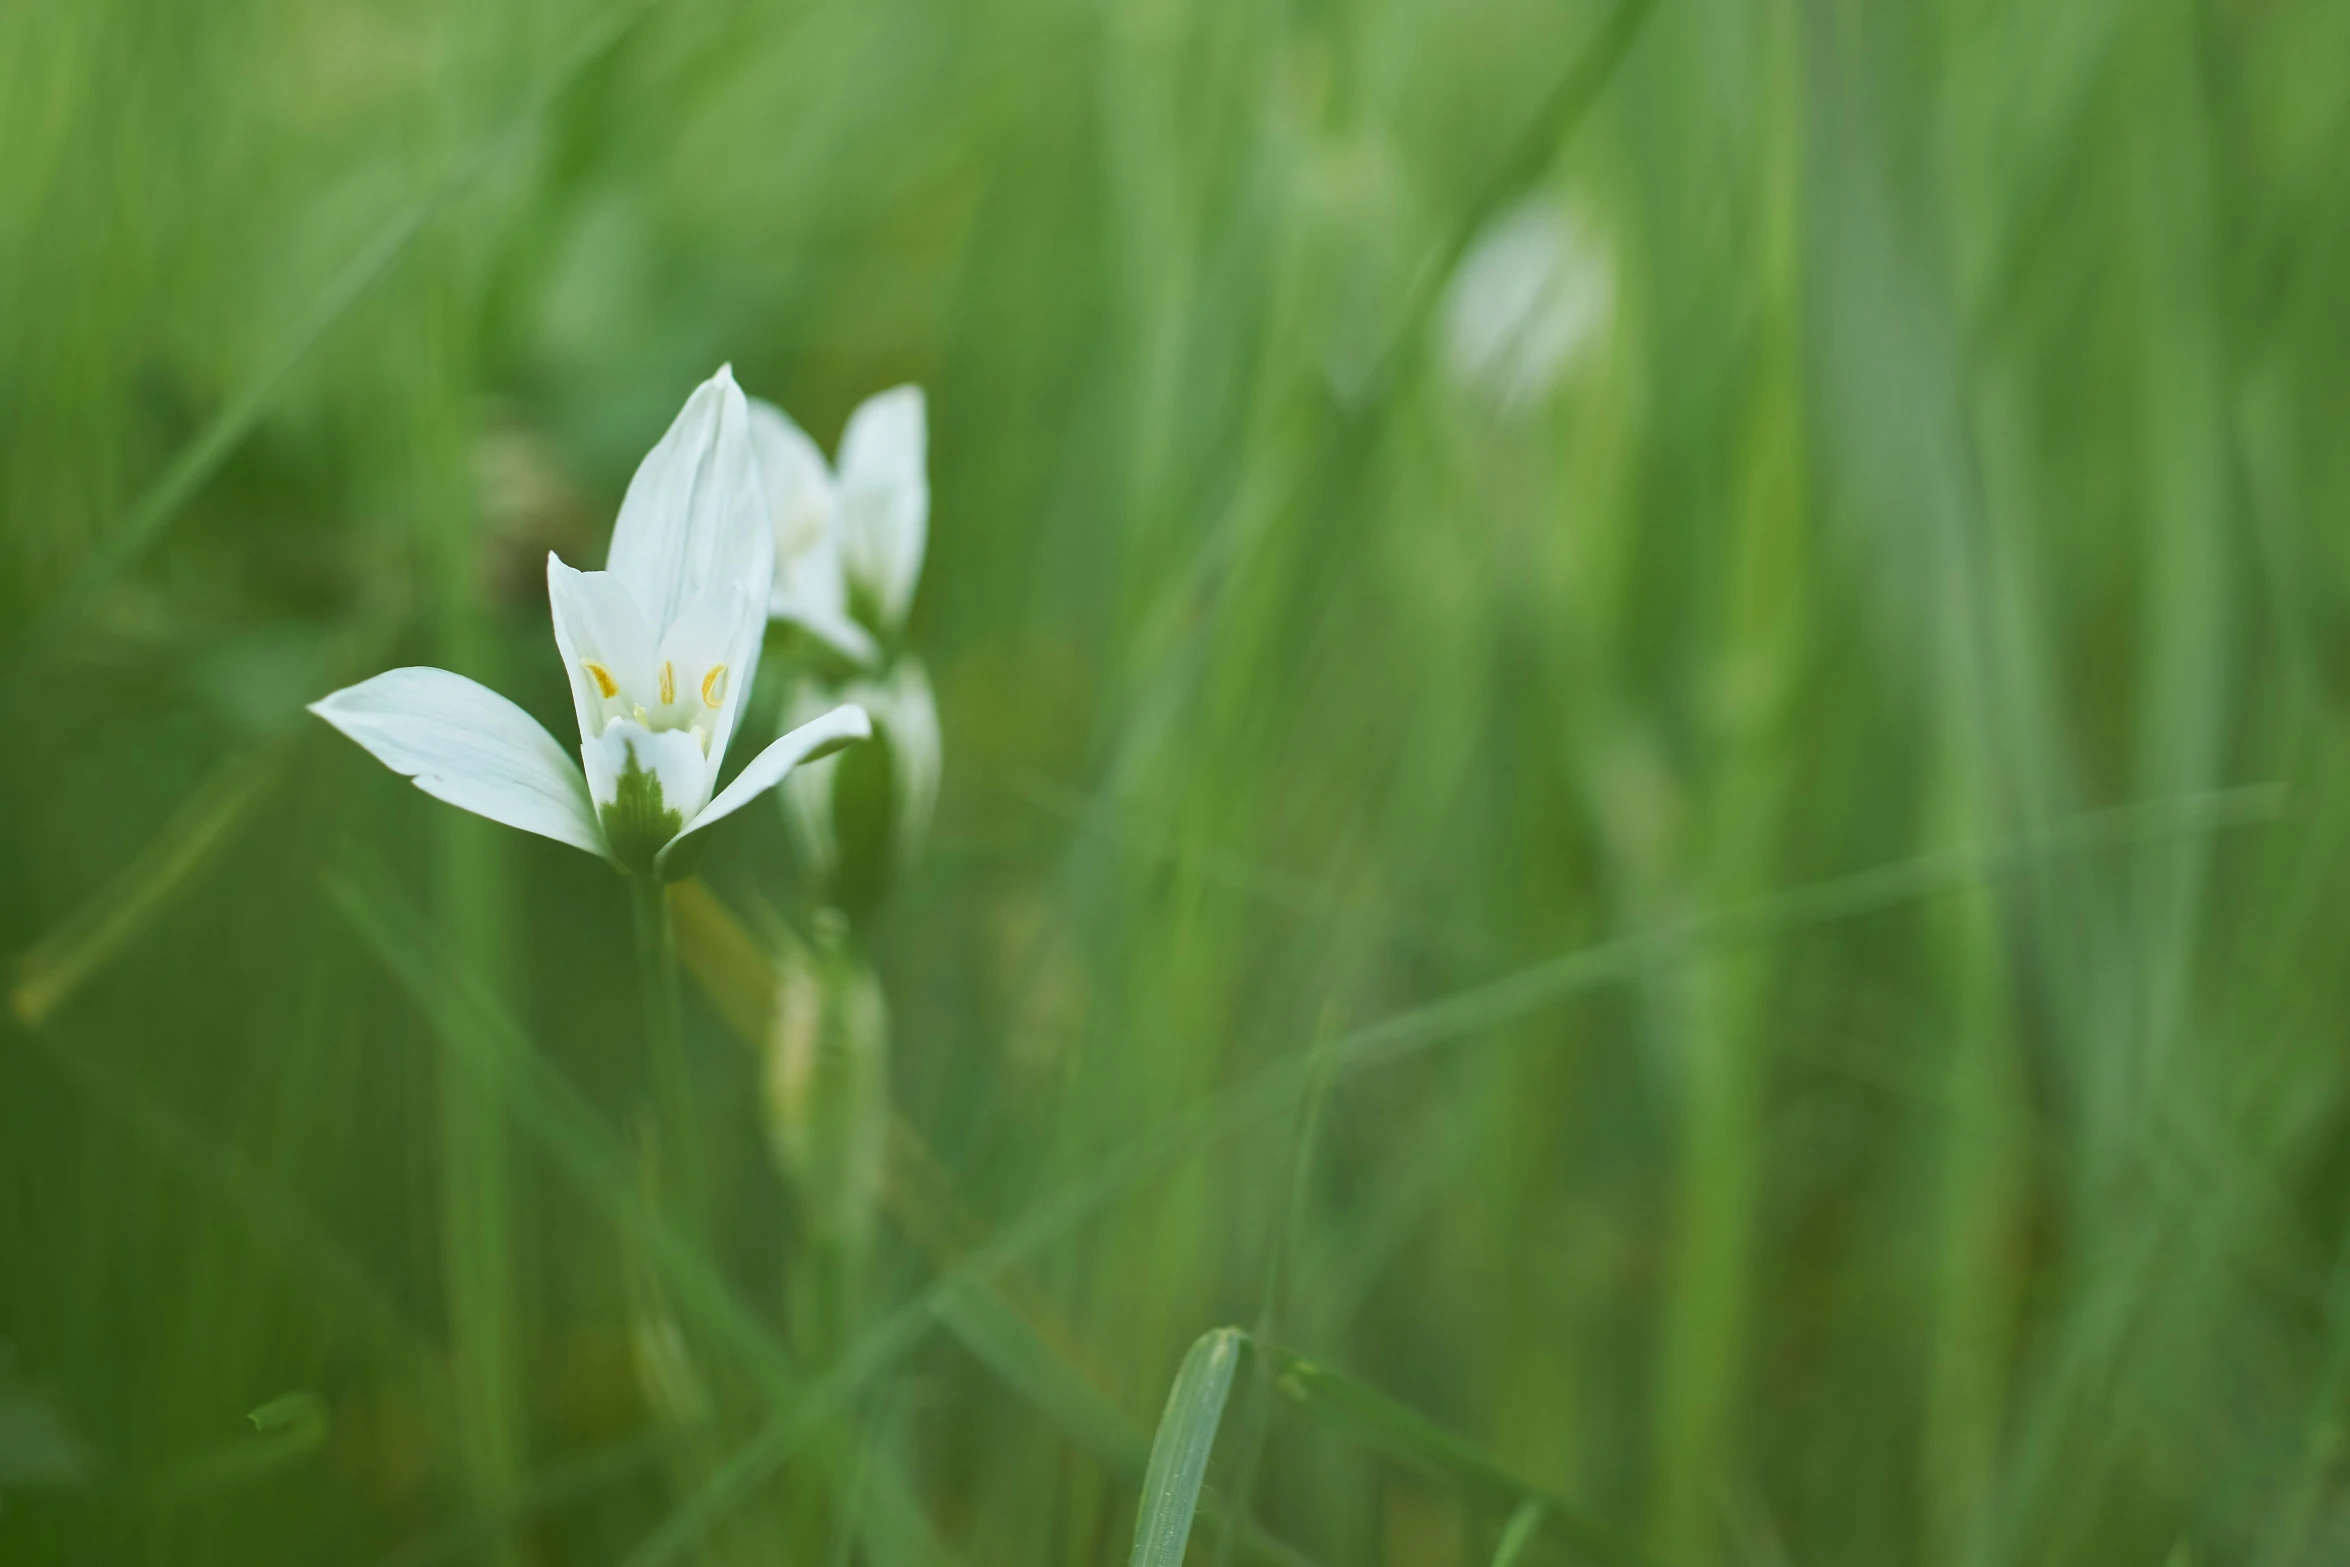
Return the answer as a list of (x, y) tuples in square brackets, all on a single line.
[(1007, 1344), (201, 457), (726, 960), (737, 975), (979, 1315), (892, 1526), (286, 1430), (735, 972), (1528, 156), (307, 1249), (37, 1448), (569, 1129), (561, 1119), (1523, 1525), (1406, 1033), (1386, 1426), (48, 973), (550, 1487), (1179, 1453)]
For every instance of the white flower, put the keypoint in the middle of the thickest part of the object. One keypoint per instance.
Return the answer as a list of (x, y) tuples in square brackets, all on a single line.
[(1529, 299), (905, 721), (848, 544), (660, 647)]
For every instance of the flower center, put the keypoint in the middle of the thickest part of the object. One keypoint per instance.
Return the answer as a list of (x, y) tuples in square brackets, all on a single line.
[(695, 711)]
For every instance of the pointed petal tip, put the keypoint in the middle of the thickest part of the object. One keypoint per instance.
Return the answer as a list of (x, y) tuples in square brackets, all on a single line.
[(463, 743), (331, 706)]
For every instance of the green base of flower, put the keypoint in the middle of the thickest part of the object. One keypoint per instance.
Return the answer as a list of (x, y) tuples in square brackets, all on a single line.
[(638, 822)]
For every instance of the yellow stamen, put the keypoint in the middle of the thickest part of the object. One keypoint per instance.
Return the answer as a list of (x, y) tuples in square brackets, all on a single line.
[(668, 683), (714, 686), (603, 677)]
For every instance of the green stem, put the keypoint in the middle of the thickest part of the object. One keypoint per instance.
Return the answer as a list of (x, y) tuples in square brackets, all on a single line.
[(1321, 1065), (656, 957)]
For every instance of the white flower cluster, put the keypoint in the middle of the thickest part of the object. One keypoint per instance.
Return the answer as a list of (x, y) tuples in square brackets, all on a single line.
[(660, 648), (849, 540)]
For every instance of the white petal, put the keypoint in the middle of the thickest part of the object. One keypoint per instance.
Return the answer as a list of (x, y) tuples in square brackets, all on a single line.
[(811, 589), (750, 633), (799, 482), (465, 744), (885, 498), (597, 622), (844, 725), (695, 516)]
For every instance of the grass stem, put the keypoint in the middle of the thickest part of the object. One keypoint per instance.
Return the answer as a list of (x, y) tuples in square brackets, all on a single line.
[(656, 956)]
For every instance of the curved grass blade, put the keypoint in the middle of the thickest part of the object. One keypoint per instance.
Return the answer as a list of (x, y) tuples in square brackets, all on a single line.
[(1406, 1033), (218, 440), (1000, 1335), (566, 1481), (308, 1251), (1539, 142), (1524, 1524), (1403, 1434), (473, 1023), (1179, 1453), (47, 974), (1004, 1341), (736, 972), (286, 1430), (1272, 1302), (549, 1107)]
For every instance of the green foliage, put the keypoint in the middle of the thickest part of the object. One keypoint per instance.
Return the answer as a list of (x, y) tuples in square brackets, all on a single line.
[(1179, 1453), (1790, 845)]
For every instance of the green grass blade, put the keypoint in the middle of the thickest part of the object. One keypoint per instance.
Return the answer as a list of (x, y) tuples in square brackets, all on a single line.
[(47, 975), (471, 1022), (1403, 1034), (196, 462), (977, 1314), (738, 975), (1561, 112), (1524, 1524), (307, 1250), (561, 1119), (1394, 1429), (1179, 1453), (286, 1430)]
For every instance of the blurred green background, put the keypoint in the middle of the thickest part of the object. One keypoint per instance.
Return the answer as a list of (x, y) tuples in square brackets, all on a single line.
[(1644, 742)]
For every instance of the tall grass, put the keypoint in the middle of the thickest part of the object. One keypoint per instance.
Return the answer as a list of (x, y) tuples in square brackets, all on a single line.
[(1725, 949)]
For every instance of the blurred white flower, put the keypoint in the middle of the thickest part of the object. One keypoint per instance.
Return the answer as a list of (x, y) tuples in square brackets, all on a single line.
[(1532, 295), (905, 721), (848, 544), (660, 648), (811, 586)]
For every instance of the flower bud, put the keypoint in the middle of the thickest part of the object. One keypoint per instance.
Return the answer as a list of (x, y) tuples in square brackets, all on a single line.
[(826, 1088), (859, 822)]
